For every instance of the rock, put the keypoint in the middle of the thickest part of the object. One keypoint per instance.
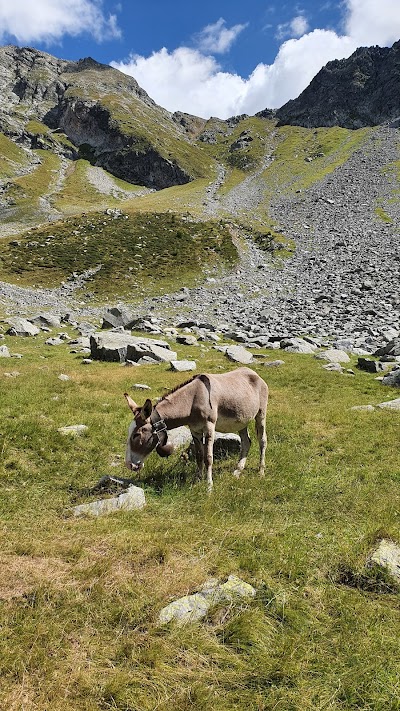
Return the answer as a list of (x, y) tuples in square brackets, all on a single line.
[(387, 556), (117, 316), (187, 340), (370, 366), (182, 366), (21, 327), (333, 367), (73, 430), (132, 499), (141, 386), (273, 363), (238, 354), (363, 408), (64, 377), (12, 374), (390, 404), (333, 355), (180, 436), (54, 342), (392, 378), (86, 361), (391, 348), (297, 345), (226, 444), (145, 348), (193, 608), (4, 352), (46, 319)]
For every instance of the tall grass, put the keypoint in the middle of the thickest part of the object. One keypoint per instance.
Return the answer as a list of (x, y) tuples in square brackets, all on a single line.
[(80, 597)]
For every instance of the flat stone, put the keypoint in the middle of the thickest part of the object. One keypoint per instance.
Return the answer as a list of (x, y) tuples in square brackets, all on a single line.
[(273, 363), (192, 608), (54, 341), (132, 499), (74, 430), (187, 340), (181, 366), (141, 386), (64, 377), (46, 319), (238, 354), (4, 352), (387, 556), (21, 327), (390, 404), (297, 345), (333, 355)]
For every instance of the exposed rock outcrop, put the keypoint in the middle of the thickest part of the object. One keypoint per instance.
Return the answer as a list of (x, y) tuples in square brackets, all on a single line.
[(363, 90)]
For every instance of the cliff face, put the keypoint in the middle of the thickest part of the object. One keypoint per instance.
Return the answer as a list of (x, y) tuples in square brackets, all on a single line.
[(363, 90), (103, 113)]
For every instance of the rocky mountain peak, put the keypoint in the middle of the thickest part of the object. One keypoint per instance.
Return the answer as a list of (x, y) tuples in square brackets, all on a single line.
[(363, 90)]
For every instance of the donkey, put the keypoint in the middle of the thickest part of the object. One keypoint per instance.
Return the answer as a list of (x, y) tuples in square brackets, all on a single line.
[(205, 403)]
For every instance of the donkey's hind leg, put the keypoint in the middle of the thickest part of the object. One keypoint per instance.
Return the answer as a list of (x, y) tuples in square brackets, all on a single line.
[(245, 443), (199, 454), (262, 439)]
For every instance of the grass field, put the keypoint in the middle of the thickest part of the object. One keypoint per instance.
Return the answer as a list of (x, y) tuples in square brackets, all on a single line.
[(79, 598)]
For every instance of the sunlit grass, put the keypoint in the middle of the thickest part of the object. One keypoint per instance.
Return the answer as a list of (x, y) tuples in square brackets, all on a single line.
[(81, 596)]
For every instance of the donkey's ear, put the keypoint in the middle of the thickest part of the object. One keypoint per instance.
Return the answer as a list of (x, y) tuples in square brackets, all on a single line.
[(131, 403), (147, 409)]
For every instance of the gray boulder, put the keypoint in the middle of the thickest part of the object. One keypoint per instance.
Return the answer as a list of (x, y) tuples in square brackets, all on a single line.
[(4, 352), (387, 556), (370, 366), (187, 340), (193, 608), (391, 348), (132, 499), (181, 366), (116, 317), (333, 355), (390, 404), (238, 354), (146, 348), (46, 319), (21, 327), (297, 345), (392, 378)]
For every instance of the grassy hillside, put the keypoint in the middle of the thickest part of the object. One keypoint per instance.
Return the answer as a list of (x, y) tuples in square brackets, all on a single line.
[(80, 597), (137, 254)]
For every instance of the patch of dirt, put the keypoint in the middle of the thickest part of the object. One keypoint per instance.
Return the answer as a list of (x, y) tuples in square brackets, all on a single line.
[(21, 574)]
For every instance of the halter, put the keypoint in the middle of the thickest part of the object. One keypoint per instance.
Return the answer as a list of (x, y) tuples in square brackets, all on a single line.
[(159, 427)]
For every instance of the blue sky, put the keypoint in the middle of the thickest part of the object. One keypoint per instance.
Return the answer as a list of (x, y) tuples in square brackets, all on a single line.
[(207, 58)]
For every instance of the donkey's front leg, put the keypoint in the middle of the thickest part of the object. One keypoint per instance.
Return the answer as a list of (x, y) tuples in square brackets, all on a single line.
[(208, 453), (199, 453)]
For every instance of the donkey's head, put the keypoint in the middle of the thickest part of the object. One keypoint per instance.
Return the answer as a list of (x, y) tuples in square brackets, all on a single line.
[(148, 431)]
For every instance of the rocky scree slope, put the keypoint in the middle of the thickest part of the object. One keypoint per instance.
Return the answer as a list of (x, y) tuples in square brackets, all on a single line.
[(363, 90), (87, 109), (343, 279)]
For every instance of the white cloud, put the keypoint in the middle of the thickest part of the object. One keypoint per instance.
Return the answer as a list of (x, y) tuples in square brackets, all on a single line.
[(371, 22), (189, 80), (297, 27), (217, 38), (49, 20)]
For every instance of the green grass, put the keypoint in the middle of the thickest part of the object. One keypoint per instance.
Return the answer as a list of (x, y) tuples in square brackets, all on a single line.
[(26, 190), (139, 254), (12, 158), (80, 597)]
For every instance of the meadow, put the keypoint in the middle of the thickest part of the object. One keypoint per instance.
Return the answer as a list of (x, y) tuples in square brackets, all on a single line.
[(80, 598)]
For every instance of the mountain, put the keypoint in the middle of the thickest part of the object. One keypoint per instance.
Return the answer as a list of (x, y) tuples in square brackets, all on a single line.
[(87, 109), (363, 90)]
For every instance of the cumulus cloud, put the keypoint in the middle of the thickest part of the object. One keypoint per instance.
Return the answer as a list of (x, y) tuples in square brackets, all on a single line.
[(297, 27), (193, 81), (49, 20), (217, 38)]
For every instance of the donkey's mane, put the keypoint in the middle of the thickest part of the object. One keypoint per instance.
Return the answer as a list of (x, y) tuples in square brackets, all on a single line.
[(178, 387)]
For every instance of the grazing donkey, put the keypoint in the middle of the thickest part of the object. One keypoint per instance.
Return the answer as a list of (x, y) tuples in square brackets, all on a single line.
[(206, 403)]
